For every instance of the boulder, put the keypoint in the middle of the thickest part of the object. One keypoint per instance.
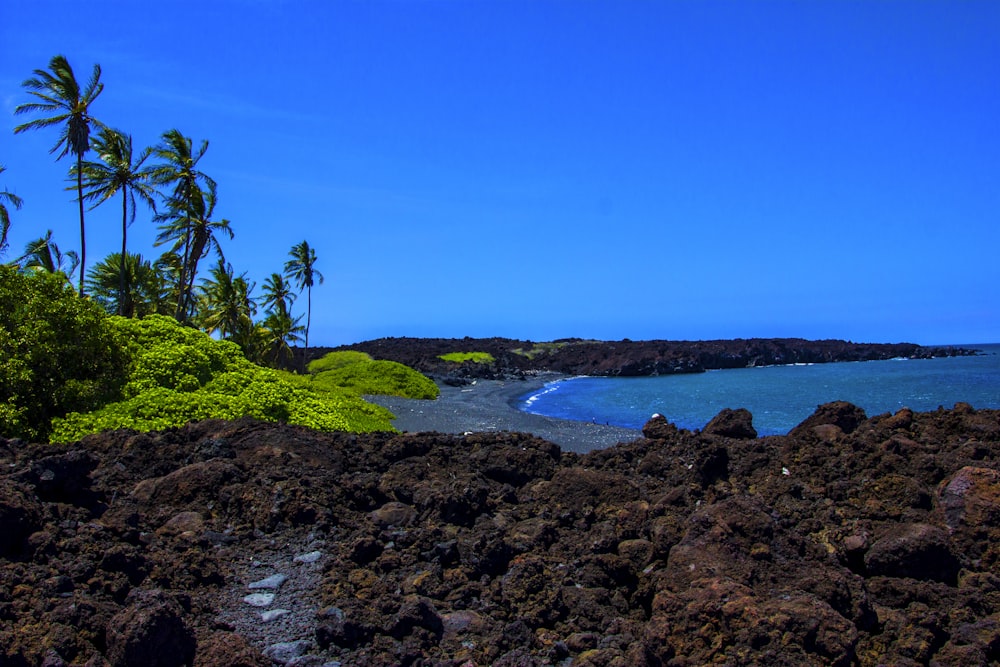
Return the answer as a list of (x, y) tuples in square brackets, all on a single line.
[(658, 428), (20, 516), (150, 632), (969, 501), (841, 414), (913, 550), (732, 424)]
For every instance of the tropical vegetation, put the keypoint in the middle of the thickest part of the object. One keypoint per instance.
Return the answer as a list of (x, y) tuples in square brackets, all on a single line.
[(358, 372), (168, 180), (474, 357), (57, 92), (153, 342), (56, 354)]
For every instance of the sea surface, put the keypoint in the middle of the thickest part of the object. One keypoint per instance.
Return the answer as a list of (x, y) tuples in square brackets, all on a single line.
[(780, 397)]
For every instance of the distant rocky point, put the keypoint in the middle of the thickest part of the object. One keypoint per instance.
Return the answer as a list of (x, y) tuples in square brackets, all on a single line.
[(625, 358)]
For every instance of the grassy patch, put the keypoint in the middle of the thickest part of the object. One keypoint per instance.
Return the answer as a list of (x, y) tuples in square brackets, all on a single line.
[(360, 374), (333, 360), (474, 357)]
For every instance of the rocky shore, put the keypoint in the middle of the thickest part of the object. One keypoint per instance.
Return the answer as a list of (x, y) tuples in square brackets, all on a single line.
[(574, 356), (850, 541)]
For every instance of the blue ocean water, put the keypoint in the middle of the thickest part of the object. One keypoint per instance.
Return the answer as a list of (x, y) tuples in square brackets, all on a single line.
[(779, 397)]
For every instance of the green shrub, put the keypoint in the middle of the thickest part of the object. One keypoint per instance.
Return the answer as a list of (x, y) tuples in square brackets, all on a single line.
[(56, 354), (474, 357), (179, 375), (378, 377), (332, 360)]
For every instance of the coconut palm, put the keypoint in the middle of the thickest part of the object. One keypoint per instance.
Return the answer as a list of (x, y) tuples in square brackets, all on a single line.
[(228, 308), (144, 292), (43, 254), (191, 187), (189, 225), (278, 295), (59, 93), (13, 200), (301, 269), (119, 171), (279, 330)]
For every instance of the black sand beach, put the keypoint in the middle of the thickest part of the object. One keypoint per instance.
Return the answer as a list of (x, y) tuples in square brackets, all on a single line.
[(488, 405)]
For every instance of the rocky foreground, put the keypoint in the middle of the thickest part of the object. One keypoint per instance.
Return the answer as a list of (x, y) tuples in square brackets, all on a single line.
[(850, 541)]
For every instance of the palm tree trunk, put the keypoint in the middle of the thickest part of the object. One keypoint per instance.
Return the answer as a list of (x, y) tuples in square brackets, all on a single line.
[(121, 266), (309, 310), (182, 279), (79, 198)]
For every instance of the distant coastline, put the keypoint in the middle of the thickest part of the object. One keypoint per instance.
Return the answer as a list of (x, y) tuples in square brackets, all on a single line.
[(512, 358)]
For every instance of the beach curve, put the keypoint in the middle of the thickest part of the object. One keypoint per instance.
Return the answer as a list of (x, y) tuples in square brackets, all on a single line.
[(490, 405)]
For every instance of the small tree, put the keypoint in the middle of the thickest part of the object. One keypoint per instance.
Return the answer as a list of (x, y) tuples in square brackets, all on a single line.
[(57, 354)]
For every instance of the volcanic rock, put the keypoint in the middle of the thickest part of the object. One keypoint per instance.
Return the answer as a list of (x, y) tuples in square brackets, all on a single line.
[(850, 542)]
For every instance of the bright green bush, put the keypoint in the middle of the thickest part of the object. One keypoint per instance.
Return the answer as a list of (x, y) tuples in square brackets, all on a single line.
[(332, 360), (475, 357), (179, 375), (360, 374), (378, 377), (56, 354)]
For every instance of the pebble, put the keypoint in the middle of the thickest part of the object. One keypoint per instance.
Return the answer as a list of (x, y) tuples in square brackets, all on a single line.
[(310, 557), (271, 583), (259, 599), (271, 614)]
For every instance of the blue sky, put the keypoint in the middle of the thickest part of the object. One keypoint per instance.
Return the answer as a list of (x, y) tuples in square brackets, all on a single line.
[(548, 169)]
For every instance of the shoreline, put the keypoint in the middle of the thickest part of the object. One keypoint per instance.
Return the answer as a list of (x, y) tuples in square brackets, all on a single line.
[(489, 406)]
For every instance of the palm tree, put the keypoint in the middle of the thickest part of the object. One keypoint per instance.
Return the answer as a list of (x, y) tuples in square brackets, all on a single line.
[(43, 254), (189, 225), (60, 94), (228, 307), (191, 186), (278, 294), (118, 172), (279, 331), (14, 201), (168, 270), (300, 268), (144, 292)]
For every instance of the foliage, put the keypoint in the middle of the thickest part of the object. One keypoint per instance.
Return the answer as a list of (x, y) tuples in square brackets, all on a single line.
[(43, 255), (57, 91), (301, 269), (189, 209), (379, 377), (179, 374), (333, 360), (56, 354), (358, 372), (540, 349), (145, 290), (13, 200), (474, 357), (118, 171)]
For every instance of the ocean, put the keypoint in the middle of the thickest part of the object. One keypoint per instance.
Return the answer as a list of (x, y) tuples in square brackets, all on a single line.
[(780, 397)]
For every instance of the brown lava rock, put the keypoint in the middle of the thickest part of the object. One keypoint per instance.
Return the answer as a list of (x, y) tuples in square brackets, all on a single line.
[(851, 541)]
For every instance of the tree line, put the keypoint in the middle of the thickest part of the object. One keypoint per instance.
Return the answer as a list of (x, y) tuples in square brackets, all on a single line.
[(167, 180)]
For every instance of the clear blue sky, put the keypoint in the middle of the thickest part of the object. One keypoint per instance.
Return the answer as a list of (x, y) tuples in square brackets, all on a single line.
[(543, 169)]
